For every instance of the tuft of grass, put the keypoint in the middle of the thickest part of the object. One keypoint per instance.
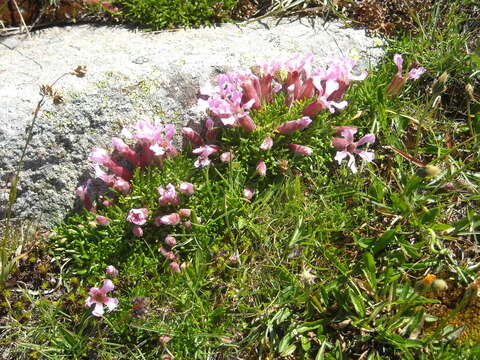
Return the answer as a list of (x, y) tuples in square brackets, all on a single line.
[(168, 14)]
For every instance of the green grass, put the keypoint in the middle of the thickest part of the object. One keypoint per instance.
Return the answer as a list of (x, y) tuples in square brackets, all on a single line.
[(167, 14), (328, 265)]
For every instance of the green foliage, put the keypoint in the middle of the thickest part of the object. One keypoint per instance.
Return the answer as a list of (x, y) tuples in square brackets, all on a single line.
[(322, 265), (167, 14)]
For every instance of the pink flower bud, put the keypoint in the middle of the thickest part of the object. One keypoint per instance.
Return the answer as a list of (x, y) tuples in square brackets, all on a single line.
[(185, 212), (111, 270), (137, 231), (192, 136), (102, 220), (248, 193), (300, 149), (170, 240), (170, 219), (121, 185), (261, 168), (246, 123), (170, 255), (186, 188), (107, 203), (266, 144), (175, 267), (226, 157), (165, 338), (187, 224), (291, 126)]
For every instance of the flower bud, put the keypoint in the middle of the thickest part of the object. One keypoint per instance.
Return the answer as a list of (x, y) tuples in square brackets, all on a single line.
[(102, 220), (186, 188), (185, 212), (175, 267), (170, 240), (300, 149), (261, 168), (248, 193), (187, 225), (137, 231), (266, 144), (111, 270), (170, 219), (226, 157), (192, 136)]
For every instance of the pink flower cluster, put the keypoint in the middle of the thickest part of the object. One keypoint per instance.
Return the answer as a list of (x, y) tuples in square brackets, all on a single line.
[(229, 102), (153, 145)]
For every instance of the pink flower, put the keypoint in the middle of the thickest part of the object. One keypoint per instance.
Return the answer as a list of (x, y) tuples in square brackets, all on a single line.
[(99, 298), (170, 219), (185, 213), (137, 231), (138, 216), (266, 144), (203, 153), (347, 147), (102, 220), (121, 185), (111, 270), (300, 149), (226, 157), (125, 151), (294, 125), (82, 193), (261, 168), (397, 82), (248, 193), (170, 255), (186, 188), (175, 267), (101, 157), (168, 196), (326, 89), (170, 240), (165, 339), (192, 136)]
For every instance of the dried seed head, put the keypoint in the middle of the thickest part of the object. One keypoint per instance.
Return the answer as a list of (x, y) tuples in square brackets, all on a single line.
[(80, 71), (439, 285), (428, 171), (439, 85), (469, 90)]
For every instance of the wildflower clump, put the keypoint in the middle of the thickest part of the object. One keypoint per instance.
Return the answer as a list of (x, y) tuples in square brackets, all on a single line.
[(261, 115)]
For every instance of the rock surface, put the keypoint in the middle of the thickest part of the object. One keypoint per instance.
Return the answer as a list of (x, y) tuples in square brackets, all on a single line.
[(131, 76)]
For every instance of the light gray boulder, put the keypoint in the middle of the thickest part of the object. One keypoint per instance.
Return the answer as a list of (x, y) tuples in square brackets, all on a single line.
[(131, 75)]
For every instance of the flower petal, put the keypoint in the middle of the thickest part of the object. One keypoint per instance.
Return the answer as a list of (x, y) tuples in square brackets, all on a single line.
[(111, 303), (98, 310), (339, 143), (351, 163), (107, 286), (348, 133), (369, 138), (340, 156), (368, 156), (398, 60), (89, 301)]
